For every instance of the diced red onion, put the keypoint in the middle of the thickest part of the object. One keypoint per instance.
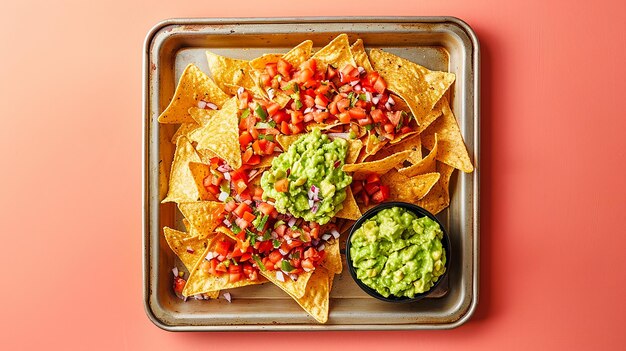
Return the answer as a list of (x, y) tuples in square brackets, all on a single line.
[(201, 104), (340, 76), (311, 204), (210, 256), (270, 202), (293, 277), (326, 236), (259, 238), (227, 223), (308, 110), (335, 233), (270, 93), (357, 87), (388, 105), (185, 298), (277, 149), (314, 208), (223, 196), (320, 107), (280, 277), (321, 247), (308, 117), (361, 70), (306, 269), (240, 91), (190, 249), (292, 221), (390, 101), (282, 252), (354, 82), (368, 96), (221, 258), (274, 234), (211, 105), (226, 175), (227, 296), (337, 164), (288, 240), (288, 171), (314, 242), (248, 202), (224, 168), (253, 173), (175, 271), (198, 297), (339, 135), (376, 99)]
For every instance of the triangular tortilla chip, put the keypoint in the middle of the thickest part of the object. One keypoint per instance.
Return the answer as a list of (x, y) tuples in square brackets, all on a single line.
[(188, 248), (433, 115), (418, 86), (316, 300), (354, 148), (295, 289), (336, 53), (427, 164), (229, 73), (332, 261), (182, 187), (361, 170), (402, 188), (350, 209), (184, 129), (286, 140), (452, 150), (295, 56), (360, 56), (204, 216), (193, 86), (199, 172), (438, 198), (201, 115), (221, 135), (200, 283)]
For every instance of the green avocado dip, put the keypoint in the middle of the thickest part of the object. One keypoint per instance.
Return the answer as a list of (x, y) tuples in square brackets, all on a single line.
[(306, 180), (396, 253)]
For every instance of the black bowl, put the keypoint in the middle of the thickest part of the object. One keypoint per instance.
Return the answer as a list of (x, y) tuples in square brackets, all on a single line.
[(420, 212)]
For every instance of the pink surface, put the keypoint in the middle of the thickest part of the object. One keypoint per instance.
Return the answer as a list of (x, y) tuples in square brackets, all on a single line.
[(553, 184)]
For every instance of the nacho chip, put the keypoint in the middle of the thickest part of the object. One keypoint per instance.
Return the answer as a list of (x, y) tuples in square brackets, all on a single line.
[(332, 261), (426, 165), (412, 143), (295, 56), (184, 130), (350, 209), (202, 215), (188, 248), (452, 150), (200, 283), (193, 86), (286, 140), (432, 116), (354, 148), (438, 198), (206, 155), (403, 188), (182, 187), (360, 56), (229, 73), (266, 161), (221, 135), (361, 170), (336, 53), (295, 289), (417, 85), (199, 172), (201, 115), (317, 297)]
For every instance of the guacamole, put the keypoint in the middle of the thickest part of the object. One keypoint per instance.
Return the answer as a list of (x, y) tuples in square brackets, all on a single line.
[(396, 253), (307, 180)]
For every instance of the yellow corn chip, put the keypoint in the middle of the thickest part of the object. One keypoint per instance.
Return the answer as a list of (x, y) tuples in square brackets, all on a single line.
[(412, 143), (206, 155), (266, 161), (188, 248), (193, 86), (295, 56), (199, 172), (350, 209), (452, 150), (360, 56), (332, 261), (229, 73), (418, 86), (354, 148), (361, 170), (200, 283), (221, 135), (295, 289), (426, 165), (432, 116), (202, 215), (201, 115), (438, 198), (184, 129), (182, 187), (286, 140), (336, 53), (316, 300), (402, 188)]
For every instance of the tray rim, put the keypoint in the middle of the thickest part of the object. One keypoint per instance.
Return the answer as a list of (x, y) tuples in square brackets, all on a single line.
[(475, 63)]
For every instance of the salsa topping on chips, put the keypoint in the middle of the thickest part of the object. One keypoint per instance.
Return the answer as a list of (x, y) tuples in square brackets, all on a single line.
[(277, 156)]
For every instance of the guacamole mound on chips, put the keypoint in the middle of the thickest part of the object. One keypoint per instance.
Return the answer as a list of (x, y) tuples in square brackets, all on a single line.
[(307, 180)]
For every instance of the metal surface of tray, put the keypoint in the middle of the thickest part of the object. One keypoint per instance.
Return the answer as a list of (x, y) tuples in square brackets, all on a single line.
[(438, 43)]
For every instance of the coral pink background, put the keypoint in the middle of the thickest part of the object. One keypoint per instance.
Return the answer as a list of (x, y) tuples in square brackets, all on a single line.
[(553, 186)]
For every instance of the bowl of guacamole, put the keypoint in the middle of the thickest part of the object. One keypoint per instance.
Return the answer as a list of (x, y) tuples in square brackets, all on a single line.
[(398, 252)]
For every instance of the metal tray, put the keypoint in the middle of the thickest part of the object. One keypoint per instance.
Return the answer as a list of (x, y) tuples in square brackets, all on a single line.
[(439, 43)]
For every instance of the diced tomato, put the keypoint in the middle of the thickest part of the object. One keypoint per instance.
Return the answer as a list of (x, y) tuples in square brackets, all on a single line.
[(307, 264), (275, 256), (284, 128), (245, 138), (311, 253), (331, 72), (364, 121), (244, 98), (222, 247), (213, 189), (249, 217), (305, 75), (217, 178), (246, 155), (245, 257), (370, 79), (234, 275), (320, 116), (230, 206), (271, 69), (372, 178), (241, 209), (344, 117), (284, 68), (282, 185), (254, 159), (296, 117), (265, 246), (253, 132), (269, 265), (265, 208), (332, 108), (357, 113), (389, 128), (321, 100), (395, 117), (297, 128), (280, 116), (266, 79), (179, 284), (272, 108), (371, 188), (322, 89), (377, 115), (365, 199), (280, 230), (381, 195), (348, 73), (315, 233), (269, 147), (258, 194), (405, 129), (343, 105), (256, 146), (240, 185)]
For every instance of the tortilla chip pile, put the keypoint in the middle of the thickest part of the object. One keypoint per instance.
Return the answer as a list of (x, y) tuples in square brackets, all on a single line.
[(416, 167)]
